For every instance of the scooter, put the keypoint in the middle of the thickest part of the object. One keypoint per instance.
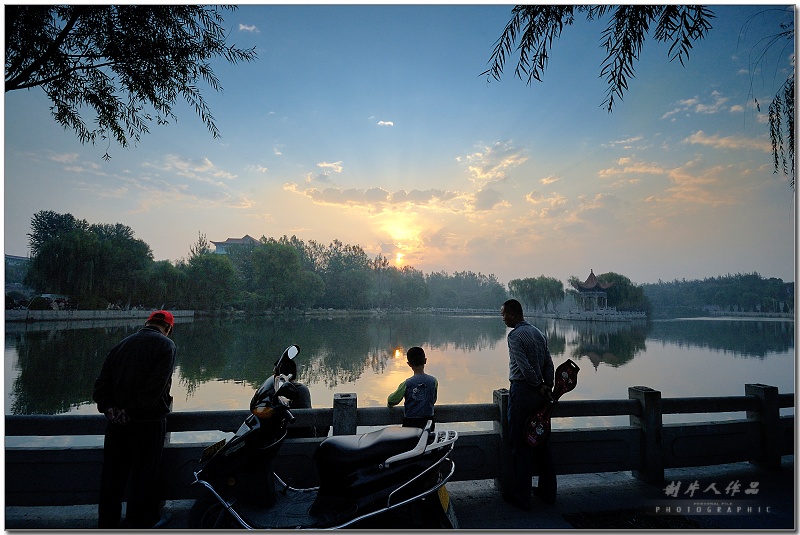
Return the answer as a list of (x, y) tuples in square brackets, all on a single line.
[(379, 479)]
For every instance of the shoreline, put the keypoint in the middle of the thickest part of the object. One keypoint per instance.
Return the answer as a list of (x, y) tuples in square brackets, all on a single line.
[(69, 316)]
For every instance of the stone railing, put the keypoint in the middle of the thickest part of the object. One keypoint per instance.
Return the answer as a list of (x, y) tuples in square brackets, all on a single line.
[(646, 446)]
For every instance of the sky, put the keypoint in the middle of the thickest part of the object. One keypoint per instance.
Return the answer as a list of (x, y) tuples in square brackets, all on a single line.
[(372, 125)]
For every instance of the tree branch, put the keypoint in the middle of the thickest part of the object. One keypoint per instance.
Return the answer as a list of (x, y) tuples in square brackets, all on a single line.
[(27, 72)]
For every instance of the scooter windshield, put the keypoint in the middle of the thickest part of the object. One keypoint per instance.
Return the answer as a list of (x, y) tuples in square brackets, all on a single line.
[(263, 393)]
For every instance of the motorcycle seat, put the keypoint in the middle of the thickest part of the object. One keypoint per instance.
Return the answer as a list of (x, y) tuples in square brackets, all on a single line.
[(347, 452)]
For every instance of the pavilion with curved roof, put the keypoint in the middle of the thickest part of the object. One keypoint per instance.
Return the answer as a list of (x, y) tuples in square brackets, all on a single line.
[(592, 292)]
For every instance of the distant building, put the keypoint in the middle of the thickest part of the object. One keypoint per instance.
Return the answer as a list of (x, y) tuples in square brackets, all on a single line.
[(592, 293), (222, 247), (12, 260)]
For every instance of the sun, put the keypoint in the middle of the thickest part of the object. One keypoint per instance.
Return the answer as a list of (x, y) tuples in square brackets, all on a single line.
[(405, 236)]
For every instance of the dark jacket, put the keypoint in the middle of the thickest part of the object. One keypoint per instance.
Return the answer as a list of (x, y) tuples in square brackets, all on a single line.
[(137, 376)]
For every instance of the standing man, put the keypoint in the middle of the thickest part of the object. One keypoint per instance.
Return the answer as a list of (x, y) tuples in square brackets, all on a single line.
[(532, 375), (132, 390)]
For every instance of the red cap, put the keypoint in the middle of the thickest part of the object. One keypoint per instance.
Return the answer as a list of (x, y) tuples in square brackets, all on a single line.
[(163, 315)]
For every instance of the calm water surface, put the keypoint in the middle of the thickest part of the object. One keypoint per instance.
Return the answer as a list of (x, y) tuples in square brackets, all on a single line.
[(51, 369)]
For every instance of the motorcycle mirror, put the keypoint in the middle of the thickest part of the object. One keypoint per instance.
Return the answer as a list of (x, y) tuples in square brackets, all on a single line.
[(289, 353)]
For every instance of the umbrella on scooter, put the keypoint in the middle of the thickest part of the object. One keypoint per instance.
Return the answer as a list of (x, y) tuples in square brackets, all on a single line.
[(538, 426)]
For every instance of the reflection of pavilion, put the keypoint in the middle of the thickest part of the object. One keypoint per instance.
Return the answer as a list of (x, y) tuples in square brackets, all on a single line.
[(595, 345), (611, 343), (596, 358), (592, 293)]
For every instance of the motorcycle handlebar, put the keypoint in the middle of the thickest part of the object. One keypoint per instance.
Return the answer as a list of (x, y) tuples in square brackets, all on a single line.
[(289, 416)]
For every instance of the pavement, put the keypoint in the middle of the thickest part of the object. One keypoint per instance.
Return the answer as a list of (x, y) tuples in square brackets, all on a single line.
[(729, 497)]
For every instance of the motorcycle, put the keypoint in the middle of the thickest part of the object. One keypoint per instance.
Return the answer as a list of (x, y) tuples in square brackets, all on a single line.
[(383, 478)]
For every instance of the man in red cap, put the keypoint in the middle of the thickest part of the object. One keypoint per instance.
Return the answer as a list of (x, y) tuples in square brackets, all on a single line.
[(132, 390)]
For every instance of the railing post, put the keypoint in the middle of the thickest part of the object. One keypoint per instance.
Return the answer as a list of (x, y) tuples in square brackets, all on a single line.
[(769, 416), (344, 414), (500, 398), (650, 422)]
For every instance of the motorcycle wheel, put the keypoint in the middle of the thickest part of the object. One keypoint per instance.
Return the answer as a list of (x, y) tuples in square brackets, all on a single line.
[(208, 513)]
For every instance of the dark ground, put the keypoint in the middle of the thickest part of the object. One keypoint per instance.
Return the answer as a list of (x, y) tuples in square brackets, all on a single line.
[(598, 501)]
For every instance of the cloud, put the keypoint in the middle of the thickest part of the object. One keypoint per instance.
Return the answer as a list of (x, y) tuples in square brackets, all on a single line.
[(548, 207), (536, 198), (626, 143), (161, 185), (626, 166), (375, 200), (549, 180), (728, 142), (323, 178), (248, 28), (693, 185), (190, 183), (199, 169), (487, 199), (492, 163), (389, 249), (695, 105), (385, 123), (336, 167), (70, 157), (587, 214)]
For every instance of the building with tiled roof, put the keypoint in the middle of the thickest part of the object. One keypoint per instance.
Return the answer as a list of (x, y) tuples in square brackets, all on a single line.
[(223, 246), (592, 292)]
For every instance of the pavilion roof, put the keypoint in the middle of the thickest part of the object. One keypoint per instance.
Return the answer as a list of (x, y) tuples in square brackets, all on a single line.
[(593, 284)]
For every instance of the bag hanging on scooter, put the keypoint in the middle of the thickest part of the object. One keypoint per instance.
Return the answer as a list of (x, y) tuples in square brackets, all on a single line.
[(538, 428)]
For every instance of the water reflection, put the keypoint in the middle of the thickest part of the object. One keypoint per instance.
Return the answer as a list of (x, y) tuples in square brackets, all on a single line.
[(55, 369), (741, 338), (336, 350), (614, 344)]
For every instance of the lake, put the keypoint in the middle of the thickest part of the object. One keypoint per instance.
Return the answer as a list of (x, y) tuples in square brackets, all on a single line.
[(50, 369)]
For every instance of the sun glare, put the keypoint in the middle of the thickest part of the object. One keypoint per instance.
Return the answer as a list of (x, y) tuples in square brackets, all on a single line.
[(398, 259)]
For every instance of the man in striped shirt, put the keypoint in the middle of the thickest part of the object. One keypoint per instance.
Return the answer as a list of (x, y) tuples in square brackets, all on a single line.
[(532, 375)]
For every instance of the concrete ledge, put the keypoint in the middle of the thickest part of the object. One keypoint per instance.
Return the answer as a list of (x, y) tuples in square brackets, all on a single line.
[(479, 506)]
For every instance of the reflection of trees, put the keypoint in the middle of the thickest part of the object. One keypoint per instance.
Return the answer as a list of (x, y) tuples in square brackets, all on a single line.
[(332, 350), (742, 338), (614, 344), (463, 333), (245, 350), (58, 367), (556, 338)]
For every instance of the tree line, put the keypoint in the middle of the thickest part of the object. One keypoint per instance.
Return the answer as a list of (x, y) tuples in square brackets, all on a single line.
[(100, 265), (742, 292), (97, 266)]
